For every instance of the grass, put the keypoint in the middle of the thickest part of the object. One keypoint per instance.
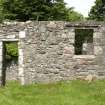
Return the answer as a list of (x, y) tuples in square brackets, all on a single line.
[(61, 93)]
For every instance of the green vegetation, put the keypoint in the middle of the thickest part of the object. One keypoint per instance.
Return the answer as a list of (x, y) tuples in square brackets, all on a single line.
[(74, 16), (23, 10), (11, 50), (98, 11), (68, 93)]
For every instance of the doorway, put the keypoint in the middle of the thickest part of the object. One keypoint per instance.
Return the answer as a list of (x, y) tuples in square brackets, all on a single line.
[(9, 61)]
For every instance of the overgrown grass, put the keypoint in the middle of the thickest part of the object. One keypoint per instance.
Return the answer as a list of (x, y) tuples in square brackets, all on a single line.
[(62, 93)]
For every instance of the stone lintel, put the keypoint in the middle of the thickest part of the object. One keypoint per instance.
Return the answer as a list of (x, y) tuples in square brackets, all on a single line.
[(84, 56), (11, 40)]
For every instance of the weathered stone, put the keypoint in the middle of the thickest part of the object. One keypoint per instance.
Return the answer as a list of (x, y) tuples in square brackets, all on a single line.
[(68, 50), (11, 36), (42, 28), (98, 50), (88, 48), (47, 51), (22, 34), (12, 71), (51, 25)]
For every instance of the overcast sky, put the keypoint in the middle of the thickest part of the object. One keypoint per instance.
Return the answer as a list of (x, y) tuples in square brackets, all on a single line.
[(81, 6)]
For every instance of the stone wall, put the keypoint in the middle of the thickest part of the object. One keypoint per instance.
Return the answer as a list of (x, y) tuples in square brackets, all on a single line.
[(52, 55), (46, 50), (12, 71), (49, 46)]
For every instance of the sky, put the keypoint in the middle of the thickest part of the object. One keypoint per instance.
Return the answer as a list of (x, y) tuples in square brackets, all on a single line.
[(81, 6)]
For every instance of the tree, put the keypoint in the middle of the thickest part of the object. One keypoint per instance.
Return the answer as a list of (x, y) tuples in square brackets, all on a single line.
[(1, 13), (98, 10), (59, 10), (75, 16), (23, 10)]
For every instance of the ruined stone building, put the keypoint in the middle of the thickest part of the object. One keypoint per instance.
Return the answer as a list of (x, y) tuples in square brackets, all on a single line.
[(48, 51)]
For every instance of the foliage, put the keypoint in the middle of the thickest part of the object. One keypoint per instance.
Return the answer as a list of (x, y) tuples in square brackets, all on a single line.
[(98, 11), (59, 11), (1, 13), (23, 10), (11, 50), (74, 16), (61, 93)]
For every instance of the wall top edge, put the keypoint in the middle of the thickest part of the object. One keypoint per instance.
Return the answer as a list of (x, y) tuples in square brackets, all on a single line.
[(66, 23)]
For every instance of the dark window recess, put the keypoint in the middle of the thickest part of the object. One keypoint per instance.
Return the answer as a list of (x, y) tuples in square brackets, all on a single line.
[(84, 41)]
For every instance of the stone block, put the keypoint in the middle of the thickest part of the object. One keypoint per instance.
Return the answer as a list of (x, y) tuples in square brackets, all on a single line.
[(98, 50), (98, 41), (20, 60), (97, 35), (11, 36), (20, 52), (64, 35), (68, 50), (71, 35), (21, 72), (42, 28), (1, 45), (22, 34), (51, 25)]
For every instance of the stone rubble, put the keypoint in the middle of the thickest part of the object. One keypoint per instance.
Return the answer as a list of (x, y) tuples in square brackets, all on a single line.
[(46, 51)]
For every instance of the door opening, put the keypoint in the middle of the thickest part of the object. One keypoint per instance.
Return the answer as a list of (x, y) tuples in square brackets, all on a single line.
[(10, 61)]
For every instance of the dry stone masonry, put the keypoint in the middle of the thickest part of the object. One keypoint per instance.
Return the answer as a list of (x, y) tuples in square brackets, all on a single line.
[(47, 51)]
